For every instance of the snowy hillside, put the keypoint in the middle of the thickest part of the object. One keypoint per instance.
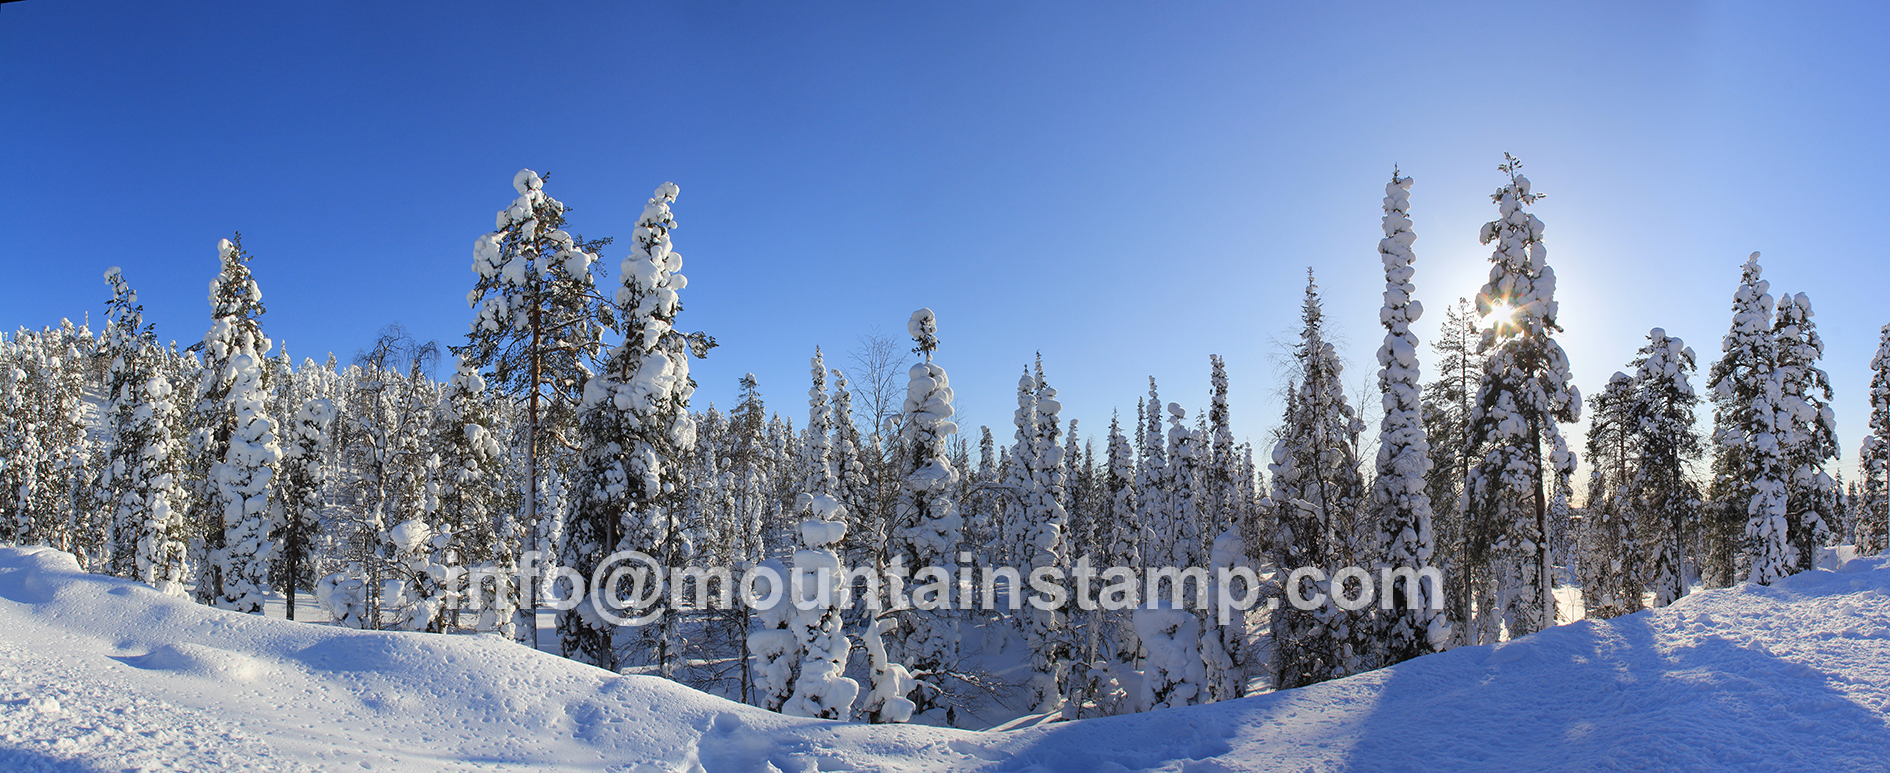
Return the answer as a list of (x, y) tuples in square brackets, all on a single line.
[(99, 673)]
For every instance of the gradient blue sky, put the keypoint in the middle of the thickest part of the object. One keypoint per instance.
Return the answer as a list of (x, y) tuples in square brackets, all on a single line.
[(1126, 188)]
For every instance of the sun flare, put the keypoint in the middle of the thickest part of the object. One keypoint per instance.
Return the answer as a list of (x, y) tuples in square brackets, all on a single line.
[(1500, 314)]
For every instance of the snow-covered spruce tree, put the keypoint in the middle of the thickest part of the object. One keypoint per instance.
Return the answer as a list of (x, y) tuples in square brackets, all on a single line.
[(635, 428), (1666, 503), (244, 481), (751, 464), (1872, 508), (1806, 430), (1223, 647), (539, 322), (1222, 506), (1398, 492), (234, 442), (236, 311), (1013, 527), (1740, 381), (1319, 495), (1183, 479), (1526, 390), (304, 473), (821, 688), (1447, 404), (141, 477), (470, 457), (1083, 500), (815, 462), (1120, 530), (927, 526), (850, 472), (1614, 569), (780, 528), (131, 348), (1045, 545), (1151, 478), (1079, 483)]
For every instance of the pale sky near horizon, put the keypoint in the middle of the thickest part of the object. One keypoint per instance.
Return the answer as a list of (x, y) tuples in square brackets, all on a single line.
[(1125, 188)]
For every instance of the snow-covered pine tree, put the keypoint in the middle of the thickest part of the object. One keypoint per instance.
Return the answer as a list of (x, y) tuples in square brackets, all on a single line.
[(1740, 382), (1399, 493), (1319, 495), (1223, 647), (1614, 571), (635, 429), (1078, 492), (928, 528), (1873, 460), (1083, 498), (540, 319), (1665, 501), (17, 435), (1806, 430), (1526, 390)]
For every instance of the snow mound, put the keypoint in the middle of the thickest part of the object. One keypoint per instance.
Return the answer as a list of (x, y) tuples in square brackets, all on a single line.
[(99, 673), (198, 660)]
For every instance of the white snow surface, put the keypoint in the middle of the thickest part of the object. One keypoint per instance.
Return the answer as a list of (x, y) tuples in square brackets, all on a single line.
[(98, 673)]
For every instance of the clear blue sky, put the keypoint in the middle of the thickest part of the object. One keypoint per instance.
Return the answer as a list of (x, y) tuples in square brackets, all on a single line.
[(1126, 188)]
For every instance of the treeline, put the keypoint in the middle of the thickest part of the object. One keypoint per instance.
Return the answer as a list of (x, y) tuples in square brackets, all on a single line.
[(227, 472)]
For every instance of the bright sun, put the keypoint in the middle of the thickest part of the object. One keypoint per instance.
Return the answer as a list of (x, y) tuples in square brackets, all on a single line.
[(1501, 313)]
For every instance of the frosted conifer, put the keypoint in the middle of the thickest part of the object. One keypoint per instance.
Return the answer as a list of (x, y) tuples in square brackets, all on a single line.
[(635, 428), (1665, 502), (1413, 624), (1319, 496), (928, 528), (1873, 506), (1806, 430), (1526, 390), (1745, 475)]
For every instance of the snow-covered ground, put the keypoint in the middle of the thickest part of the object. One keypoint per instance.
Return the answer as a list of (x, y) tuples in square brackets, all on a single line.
[(103, 674)]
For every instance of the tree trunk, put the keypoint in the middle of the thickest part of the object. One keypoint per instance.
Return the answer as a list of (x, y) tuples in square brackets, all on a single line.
[(1545, 582), (531, 464)]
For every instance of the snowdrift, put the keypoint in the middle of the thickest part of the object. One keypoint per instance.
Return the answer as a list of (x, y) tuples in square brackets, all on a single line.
[(98, 673)]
